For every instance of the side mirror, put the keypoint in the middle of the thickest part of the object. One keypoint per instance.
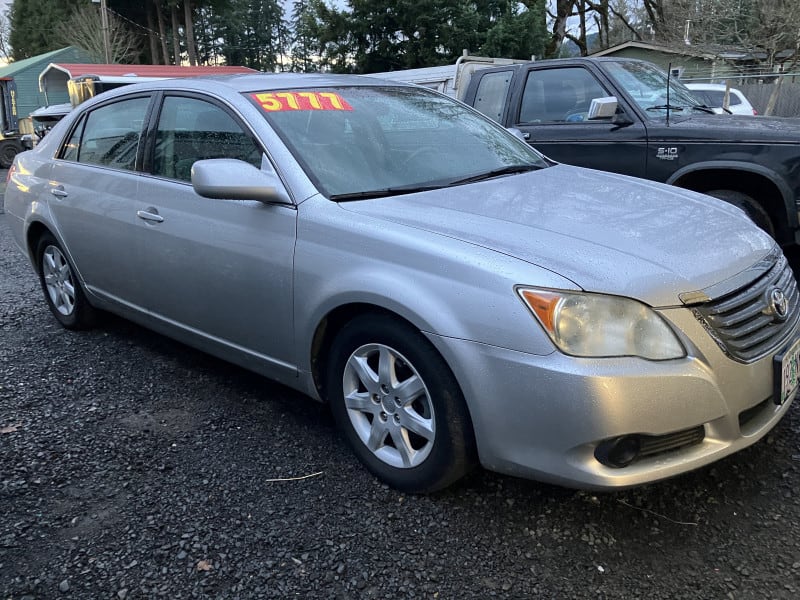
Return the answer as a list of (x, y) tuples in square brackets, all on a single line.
[(518, 134), (232, 179), (603, 108)]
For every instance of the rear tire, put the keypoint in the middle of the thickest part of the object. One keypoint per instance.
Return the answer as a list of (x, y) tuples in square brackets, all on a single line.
[(8, 151), (752, 209), (62, 290), (398, 405)]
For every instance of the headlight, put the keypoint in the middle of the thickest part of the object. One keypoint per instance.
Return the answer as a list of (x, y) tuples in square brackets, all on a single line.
[(594, 325)]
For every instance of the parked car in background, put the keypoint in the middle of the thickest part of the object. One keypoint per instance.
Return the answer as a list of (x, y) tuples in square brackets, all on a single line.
[(713, 95), (42, 120), (455, 296)]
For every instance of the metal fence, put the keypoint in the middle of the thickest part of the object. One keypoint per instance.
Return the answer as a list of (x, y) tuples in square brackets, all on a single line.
[(788, 102)]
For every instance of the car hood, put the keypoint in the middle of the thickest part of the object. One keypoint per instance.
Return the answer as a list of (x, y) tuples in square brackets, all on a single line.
[(606, 233), (739, 129)]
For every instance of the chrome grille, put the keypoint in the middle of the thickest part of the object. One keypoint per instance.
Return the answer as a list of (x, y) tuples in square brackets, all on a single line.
[(742, 323)]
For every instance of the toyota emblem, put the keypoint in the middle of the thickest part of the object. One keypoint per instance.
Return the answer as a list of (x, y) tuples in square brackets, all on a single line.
[(778, 304)]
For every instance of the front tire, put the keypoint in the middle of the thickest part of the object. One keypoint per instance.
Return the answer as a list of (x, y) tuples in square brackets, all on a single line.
[(399, 405), (61, 287)]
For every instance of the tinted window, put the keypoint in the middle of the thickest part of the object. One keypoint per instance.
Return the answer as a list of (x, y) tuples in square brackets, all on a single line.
[(190, 130), (491, 94), (109, 135), (559, 95), (706, 98), (70, 149), (718, 96)]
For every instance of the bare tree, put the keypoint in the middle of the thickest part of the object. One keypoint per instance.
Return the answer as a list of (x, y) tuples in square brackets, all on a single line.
[(559, 25), (5, 29), (84, 29)]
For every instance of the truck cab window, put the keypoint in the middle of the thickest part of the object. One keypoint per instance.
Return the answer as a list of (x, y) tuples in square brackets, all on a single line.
[(559, 95), (490, 98)]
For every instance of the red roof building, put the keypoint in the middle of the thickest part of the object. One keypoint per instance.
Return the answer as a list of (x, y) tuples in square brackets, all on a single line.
[(55, 76)]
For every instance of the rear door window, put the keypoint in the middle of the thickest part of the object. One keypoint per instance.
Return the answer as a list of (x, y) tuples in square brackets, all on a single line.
[(109, 136)]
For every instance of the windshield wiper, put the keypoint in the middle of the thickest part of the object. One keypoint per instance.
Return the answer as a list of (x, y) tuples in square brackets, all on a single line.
[(509, 170), (413, 189), (704, 108), (384, 192), (665, 107)]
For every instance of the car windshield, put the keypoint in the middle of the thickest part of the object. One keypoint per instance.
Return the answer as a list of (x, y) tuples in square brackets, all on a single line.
[(646, 84), (368, 141)]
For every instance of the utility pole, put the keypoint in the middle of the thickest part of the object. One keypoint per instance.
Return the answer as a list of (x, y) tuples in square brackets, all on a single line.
[(104, 21)]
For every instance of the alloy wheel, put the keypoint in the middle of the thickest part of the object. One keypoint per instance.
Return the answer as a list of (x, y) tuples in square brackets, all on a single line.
[(58, 280), (389, 406)]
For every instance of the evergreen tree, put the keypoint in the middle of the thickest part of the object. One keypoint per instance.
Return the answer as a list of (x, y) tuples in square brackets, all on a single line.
[(518, 32), (254, 34), (387, 35), (33, 23), (304, 42)]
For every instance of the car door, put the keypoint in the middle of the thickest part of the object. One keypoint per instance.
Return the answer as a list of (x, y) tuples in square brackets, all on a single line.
[(220, 270), (93, 196), (552, 115)]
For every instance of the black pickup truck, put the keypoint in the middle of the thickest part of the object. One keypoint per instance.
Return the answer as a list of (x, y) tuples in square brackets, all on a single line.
[(640, 125)]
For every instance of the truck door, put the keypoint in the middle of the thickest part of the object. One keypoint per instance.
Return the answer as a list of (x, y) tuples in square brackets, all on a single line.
[(551, 110)]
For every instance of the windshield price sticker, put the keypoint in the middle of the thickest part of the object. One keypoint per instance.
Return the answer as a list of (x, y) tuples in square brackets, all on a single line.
[(789, 367), (289, 101)]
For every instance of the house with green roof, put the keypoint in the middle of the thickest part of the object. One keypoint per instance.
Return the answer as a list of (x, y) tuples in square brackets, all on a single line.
[(20, 96), (19, 82)]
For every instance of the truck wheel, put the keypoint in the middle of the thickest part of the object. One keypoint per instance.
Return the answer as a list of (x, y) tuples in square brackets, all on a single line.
[(751, 208), (8, 150)]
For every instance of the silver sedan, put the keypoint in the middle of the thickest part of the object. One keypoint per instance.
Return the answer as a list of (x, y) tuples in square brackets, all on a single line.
[(454, 296)]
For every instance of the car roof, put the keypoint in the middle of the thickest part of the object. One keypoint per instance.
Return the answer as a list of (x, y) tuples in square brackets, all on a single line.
[(257, 83), (709, 86)]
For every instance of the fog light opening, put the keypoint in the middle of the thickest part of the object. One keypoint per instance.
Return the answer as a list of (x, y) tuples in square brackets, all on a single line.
[(618, 452)]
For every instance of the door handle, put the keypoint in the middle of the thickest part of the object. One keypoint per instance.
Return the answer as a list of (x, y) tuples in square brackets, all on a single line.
[(59, 192), (150, 216)]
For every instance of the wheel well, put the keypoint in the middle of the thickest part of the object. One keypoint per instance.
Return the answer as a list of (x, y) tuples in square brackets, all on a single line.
[(328, 329), (760, 188), (35, 233)]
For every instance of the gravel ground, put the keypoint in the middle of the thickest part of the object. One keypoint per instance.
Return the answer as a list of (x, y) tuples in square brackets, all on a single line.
[(134, 467)]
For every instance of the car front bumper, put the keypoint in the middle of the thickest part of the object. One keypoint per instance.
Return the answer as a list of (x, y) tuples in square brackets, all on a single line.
[(542, 417)]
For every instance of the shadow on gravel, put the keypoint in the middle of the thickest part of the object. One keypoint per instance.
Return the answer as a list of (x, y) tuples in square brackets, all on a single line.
[(244, 383), (737, 477)]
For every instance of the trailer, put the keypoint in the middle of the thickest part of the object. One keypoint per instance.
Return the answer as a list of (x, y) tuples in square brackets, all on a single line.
[(452, 80)]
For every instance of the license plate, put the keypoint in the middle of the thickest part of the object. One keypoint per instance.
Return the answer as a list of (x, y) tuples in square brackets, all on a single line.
[(787, 371)]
